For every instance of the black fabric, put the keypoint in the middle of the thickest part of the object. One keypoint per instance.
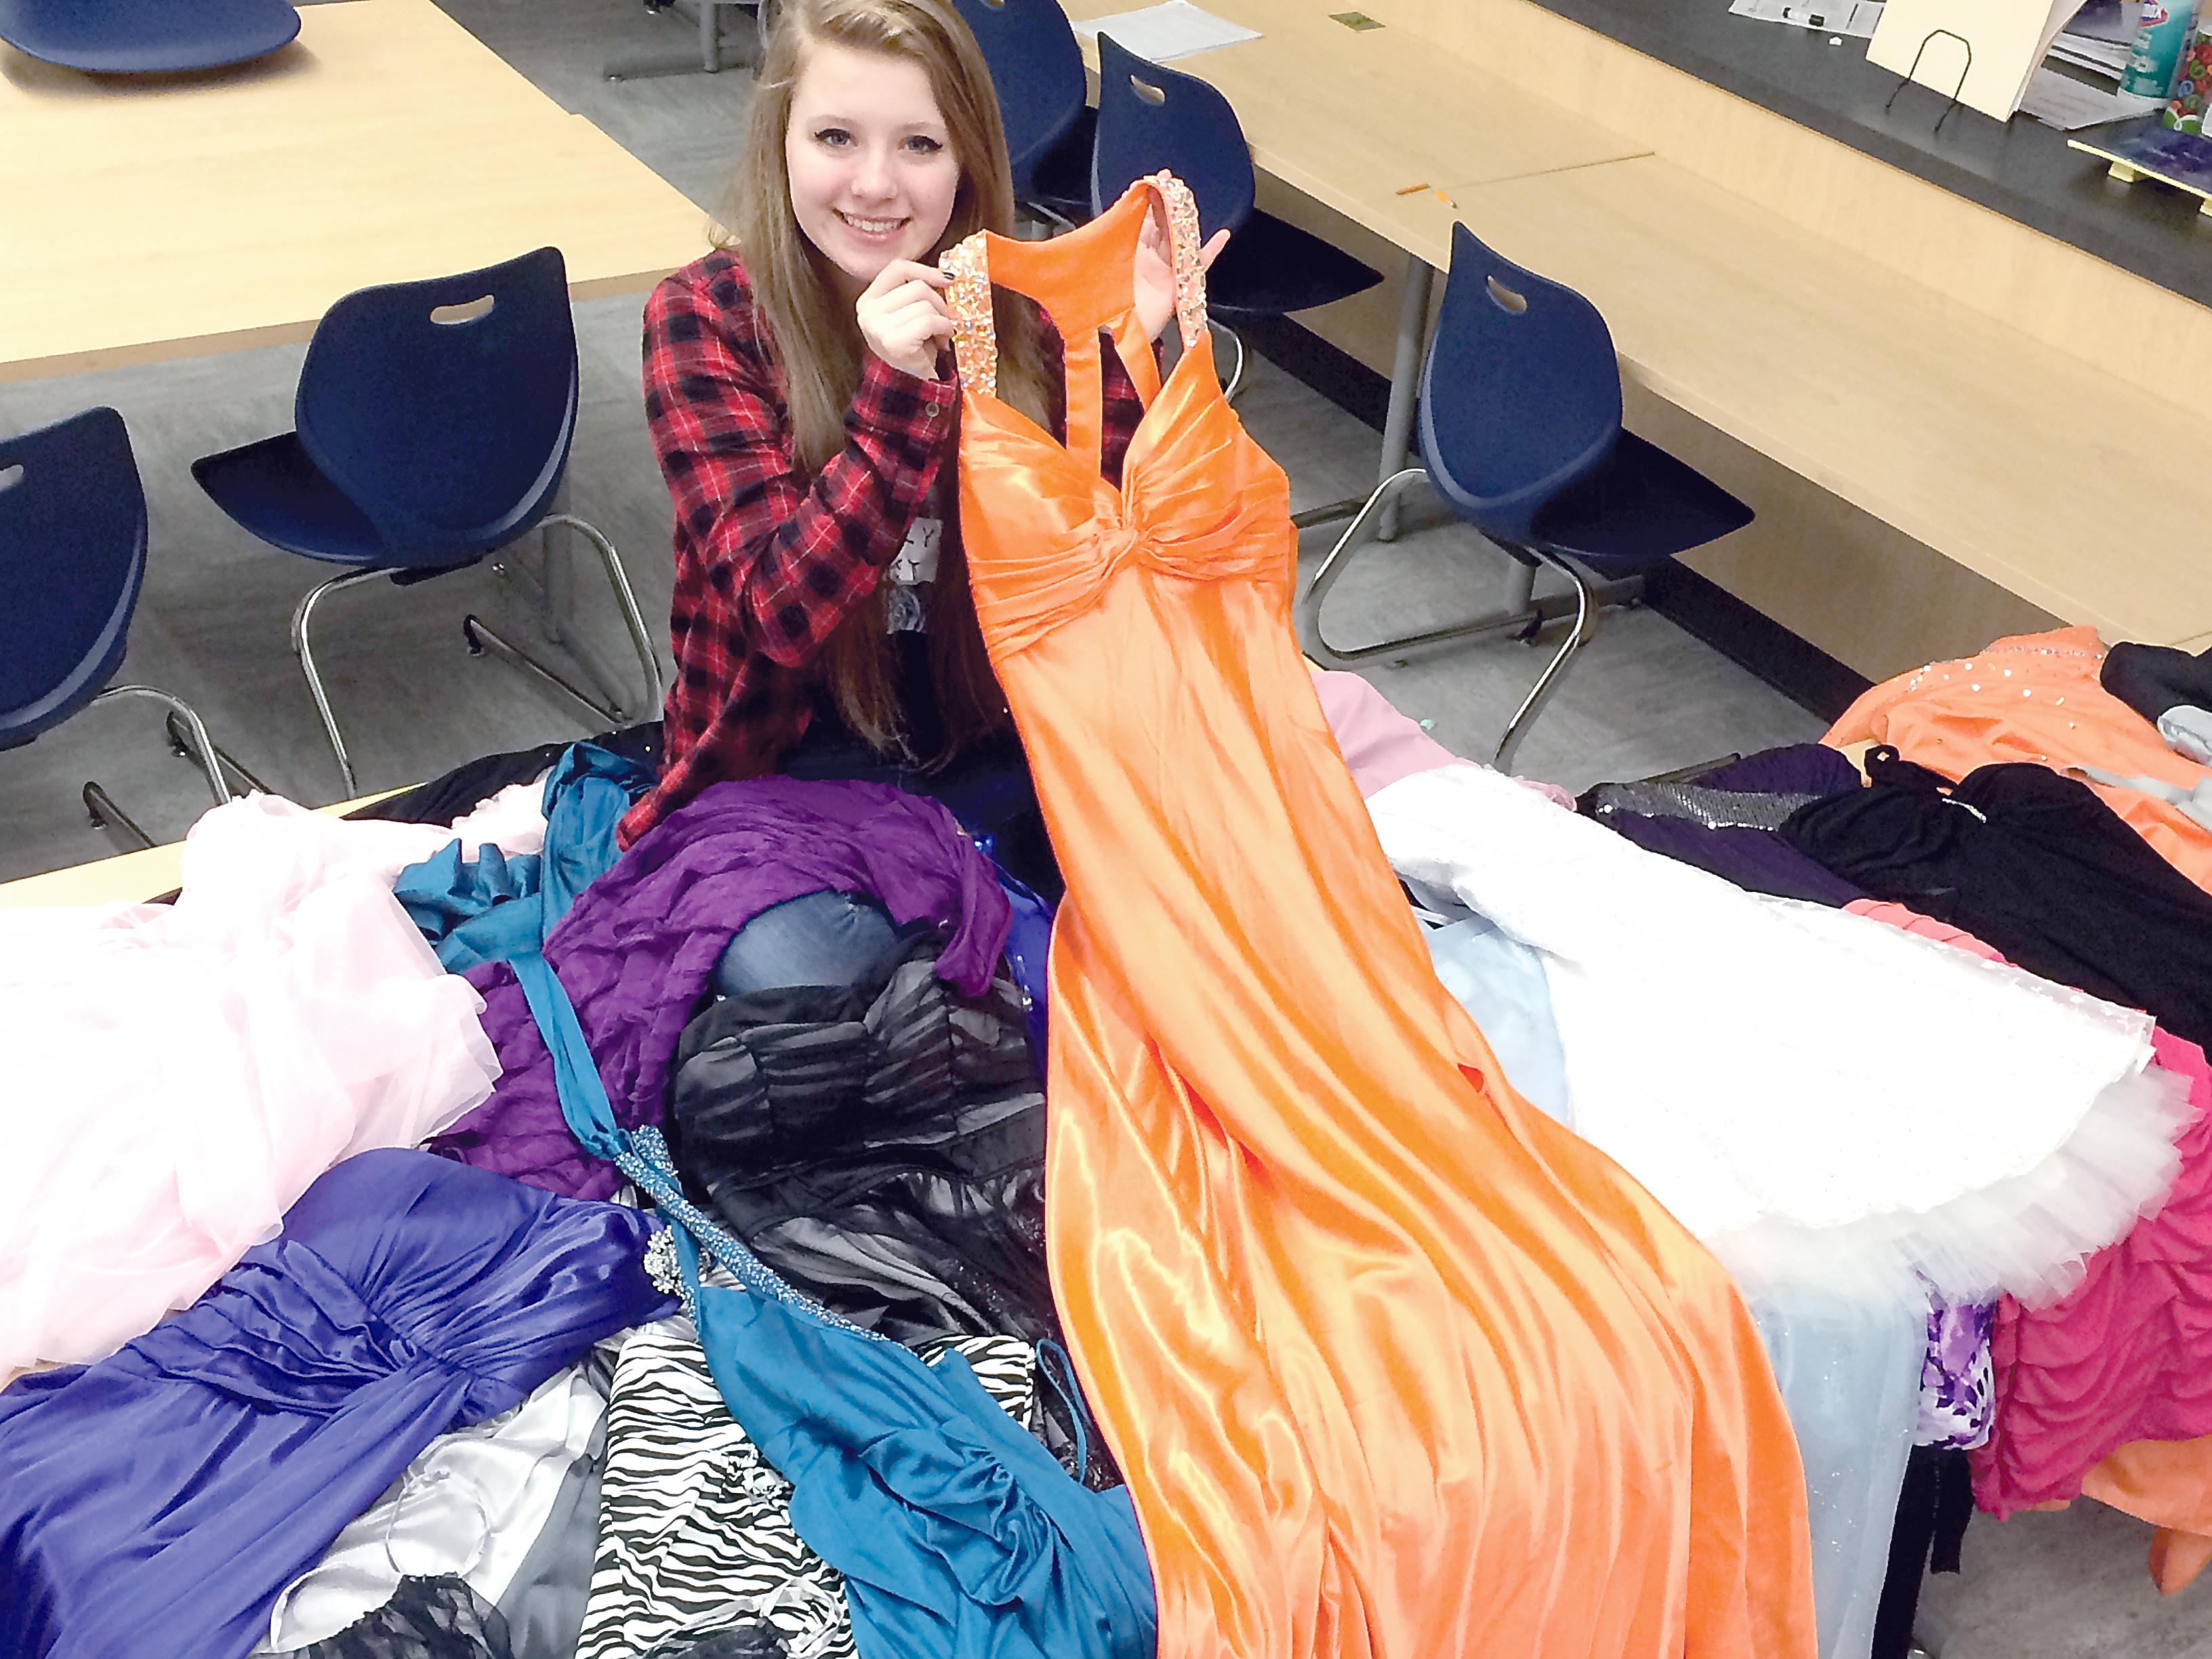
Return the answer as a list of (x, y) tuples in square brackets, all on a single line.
[(1727, 822), (2037, 867), (426, 1619), (882, 1146), (543, 1602), (750, 1639), (457, 792), (988, 789), (1932, 1510), (1955, 1508), (2153, 678)]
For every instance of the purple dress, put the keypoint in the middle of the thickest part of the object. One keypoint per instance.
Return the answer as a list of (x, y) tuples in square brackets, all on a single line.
[(159, 1501), (635, 953)]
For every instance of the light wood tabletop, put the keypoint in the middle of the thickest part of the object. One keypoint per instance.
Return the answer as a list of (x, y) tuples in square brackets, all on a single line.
[(2028, 465), (173, 216), (129, 878), (1355, 119)]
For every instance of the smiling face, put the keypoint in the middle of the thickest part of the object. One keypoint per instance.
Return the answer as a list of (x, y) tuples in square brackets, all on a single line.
[(873, 174)]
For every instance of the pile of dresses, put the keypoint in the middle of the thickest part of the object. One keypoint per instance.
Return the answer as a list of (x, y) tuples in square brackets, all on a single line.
[(2027, 838), (761, 1245)]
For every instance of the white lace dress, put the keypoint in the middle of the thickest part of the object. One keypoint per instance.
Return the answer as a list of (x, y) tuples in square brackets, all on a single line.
[(177, 1075), (1815, 1094)]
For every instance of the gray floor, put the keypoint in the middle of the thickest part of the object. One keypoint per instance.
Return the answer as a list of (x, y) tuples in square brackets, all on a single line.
[(211, 626)]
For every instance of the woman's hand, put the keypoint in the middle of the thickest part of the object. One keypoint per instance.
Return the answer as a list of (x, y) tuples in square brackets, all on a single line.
[(1155, 295), (902, 317)]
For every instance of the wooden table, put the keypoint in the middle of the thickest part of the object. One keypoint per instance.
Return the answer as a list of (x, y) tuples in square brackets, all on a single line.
[(129, 878), (1356, 120), (168, 216), (1976, 389), (2019, 461)]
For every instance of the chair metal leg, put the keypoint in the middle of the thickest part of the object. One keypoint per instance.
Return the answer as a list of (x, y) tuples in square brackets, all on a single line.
[(707, 56), (1236, 374), (481, 638), (301, 617), (1522, 612), (181, 743), (179, 710), (1056, 224), (1329, 513), (556, 607), (1548, 681), (656, 688), (107, 815)]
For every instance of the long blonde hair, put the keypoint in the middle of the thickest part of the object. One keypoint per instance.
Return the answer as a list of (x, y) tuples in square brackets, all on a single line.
[(819, 351)]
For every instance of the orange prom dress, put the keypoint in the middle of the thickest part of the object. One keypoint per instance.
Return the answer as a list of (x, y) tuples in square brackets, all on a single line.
[(1394, 1364)]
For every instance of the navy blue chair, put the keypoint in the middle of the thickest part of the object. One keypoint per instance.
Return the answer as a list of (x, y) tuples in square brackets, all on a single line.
[(147, 37), (433, 422), (1151, 117), (1037, 69), (1520, 433), (72, 558)]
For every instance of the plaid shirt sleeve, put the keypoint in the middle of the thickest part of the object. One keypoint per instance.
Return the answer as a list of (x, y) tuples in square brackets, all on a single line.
[(768, 563), (784, 560)]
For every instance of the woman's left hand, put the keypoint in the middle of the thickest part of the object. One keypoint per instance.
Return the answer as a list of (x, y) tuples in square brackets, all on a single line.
[(1155, 295)]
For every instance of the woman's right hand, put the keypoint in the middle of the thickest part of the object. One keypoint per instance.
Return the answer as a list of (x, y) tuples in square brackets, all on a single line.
[(902, 317)]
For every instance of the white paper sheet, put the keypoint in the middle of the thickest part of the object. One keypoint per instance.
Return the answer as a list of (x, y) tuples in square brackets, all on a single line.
[(1853, 17), (1984, 50), (2105, 58), (1164, 33), (2060, 101)]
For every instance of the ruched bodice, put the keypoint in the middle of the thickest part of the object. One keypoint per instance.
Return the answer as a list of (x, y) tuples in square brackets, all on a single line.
[(1394, 1364), (160, 1499)]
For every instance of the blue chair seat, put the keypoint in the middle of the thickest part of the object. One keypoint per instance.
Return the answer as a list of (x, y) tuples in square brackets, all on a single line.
[(274, 489), (431, 427), (1637, 509), (1520, 433), (147, 37), (72, 560), (1060, 179), (1271, 267), (73, 554)]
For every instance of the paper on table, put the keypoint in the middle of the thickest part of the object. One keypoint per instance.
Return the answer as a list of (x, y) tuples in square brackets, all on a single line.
[(1177, 29), (2106, 57), (1857, 17), (2060, 101), (2005, 40), (2114, 21)]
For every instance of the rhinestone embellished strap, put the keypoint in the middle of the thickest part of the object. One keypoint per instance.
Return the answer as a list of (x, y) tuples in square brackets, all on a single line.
[(974, 334), (975, 337), (1183, 239)]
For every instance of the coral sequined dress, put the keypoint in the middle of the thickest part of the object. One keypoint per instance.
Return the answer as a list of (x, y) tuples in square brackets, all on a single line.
[(1394, 1364)]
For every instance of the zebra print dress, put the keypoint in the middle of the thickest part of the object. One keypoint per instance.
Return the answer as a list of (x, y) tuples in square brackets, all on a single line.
[(694, 1525)]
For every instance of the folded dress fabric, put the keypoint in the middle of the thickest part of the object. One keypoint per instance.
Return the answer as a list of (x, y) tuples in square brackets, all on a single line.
[(640, 947), (1999, 1128), (2037, 697), (180, 1073), (695, 1529), (162, 1499), (471, 1507)]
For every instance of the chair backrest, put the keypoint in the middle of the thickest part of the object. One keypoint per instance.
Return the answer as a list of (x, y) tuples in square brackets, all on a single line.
[(444, 408), (72, 555), (141, 37), (1151, 117), (1521, 393), (1036, 69)]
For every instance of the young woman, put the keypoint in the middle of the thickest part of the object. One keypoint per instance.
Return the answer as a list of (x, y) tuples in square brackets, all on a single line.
[(800, 390)]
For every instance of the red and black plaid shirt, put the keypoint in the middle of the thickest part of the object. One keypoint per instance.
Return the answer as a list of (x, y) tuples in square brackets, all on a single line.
[(769, 562)]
